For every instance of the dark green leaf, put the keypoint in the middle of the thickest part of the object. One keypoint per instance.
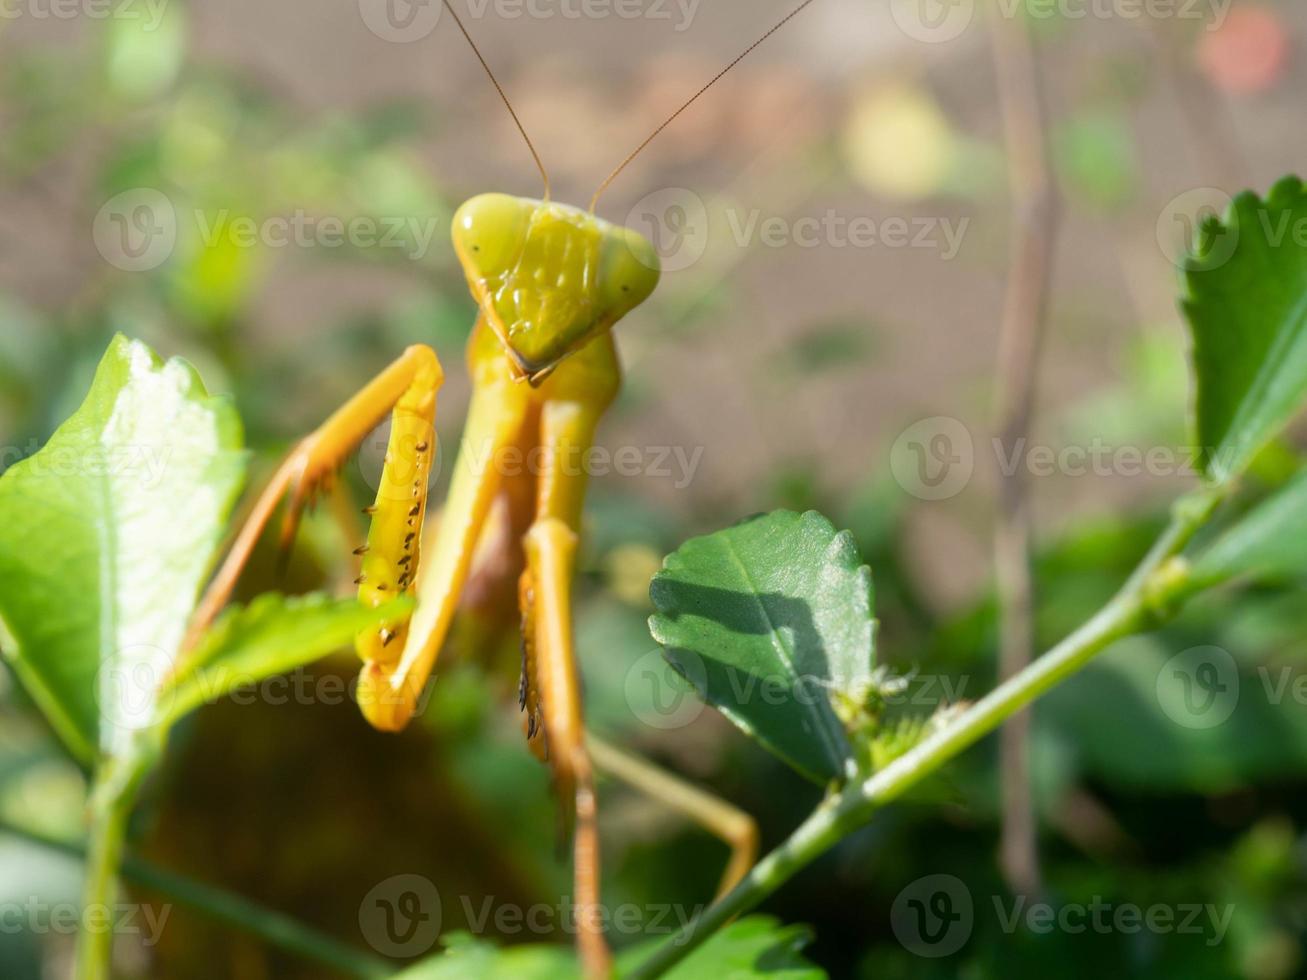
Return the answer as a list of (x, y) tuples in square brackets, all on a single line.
[(106, 536), (1194, 720), (772, 621), (1247, 308), (1269, 541)]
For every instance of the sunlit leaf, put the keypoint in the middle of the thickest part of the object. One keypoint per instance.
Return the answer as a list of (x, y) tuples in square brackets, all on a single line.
[(106, 536), (771, 620)]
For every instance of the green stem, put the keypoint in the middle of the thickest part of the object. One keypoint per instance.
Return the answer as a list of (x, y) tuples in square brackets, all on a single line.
[(273, 927), (112, 796), (1147, 599)]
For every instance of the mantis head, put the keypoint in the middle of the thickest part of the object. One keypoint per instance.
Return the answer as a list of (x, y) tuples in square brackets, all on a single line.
[(549, 278)]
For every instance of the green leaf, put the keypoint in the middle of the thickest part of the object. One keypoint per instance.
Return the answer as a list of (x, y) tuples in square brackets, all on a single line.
[(106, 536), (1247, 308), (468, 958), (1270, 541), (757, 946), (273, 635), (1235, 724), (771, 620)]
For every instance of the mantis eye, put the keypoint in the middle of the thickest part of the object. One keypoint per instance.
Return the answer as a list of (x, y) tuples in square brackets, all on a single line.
[(489, 231), (628, 271)]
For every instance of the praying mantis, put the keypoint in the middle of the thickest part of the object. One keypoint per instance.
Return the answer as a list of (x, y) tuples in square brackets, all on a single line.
[(550, 282)]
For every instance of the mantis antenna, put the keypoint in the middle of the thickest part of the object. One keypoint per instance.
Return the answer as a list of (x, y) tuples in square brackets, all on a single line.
[(691, 100), (500, 89)]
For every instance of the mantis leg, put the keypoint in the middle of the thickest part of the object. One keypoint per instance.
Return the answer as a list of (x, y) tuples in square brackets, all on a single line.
[(553, 683), (724, 820), (399, 658), (408, 387)]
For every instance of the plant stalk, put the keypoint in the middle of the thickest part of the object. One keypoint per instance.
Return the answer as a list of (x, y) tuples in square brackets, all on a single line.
[(113, 795)]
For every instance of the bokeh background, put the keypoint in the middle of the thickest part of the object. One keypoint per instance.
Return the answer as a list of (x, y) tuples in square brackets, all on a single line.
[(786, 368)]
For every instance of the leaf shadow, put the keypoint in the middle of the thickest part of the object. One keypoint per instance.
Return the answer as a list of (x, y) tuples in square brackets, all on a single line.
[(754, 691)]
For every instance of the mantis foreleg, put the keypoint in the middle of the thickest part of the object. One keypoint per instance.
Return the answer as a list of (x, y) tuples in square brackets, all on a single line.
[(408, 387), (397, 666)]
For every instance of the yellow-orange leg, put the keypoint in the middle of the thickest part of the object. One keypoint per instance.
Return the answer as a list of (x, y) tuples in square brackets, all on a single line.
[(408, 387), (733, 826), (398, 661), (567, 428)]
